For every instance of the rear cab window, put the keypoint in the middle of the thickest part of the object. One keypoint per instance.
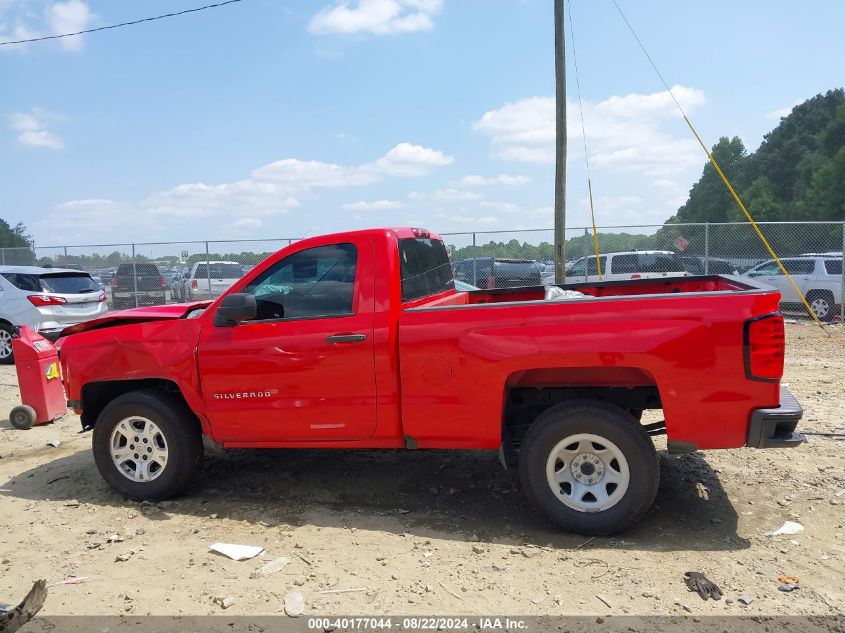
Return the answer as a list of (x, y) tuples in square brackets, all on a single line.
[(425, 268), (219, 271), (55, 283), (647, 263)]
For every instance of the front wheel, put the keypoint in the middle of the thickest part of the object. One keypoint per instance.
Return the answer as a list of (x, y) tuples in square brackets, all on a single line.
[(590, 467), (147, 445)]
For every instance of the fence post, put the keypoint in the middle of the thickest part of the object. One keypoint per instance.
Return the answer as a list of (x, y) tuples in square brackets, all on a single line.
[(474, 262), (706, 248), (134, 276), (842, 289), (208, 269), (3, 255), (66, 262)]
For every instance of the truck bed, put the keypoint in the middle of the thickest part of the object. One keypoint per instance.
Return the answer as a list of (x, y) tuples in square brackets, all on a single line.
[(461, 354)]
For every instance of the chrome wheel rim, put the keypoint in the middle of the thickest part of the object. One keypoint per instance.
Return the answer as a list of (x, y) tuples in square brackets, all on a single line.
[(587, 472), (820, 307), (138, 449), (5, 344)]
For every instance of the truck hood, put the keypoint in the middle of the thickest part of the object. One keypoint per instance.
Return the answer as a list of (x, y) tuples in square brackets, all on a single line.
[(137, 315)]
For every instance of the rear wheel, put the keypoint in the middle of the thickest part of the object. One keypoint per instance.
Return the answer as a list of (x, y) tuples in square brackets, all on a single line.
[(590, 467), (822, 303), (147, 445), (6, 357)]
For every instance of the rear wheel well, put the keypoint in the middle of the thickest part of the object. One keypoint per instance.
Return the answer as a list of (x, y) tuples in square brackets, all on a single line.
[(523, 405), (97, 395)]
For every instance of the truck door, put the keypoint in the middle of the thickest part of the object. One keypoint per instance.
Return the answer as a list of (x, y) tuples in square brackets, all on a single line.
[(304, 369)]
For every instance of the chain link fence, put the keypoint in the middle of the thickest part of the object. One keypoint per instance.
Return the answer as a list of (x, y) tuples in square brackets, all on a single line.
[(135, 274)]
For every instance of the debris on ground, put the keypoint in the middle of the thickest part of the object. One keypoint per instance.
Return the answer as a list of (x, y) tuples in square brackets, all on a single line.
[(294, 604), (788, 579), (275, 565), (224, 601), (13, 618), (745, 600), (72, 580), (706, 588), (122, 558), (236, 552), (787, 529), (788, 587), (54, 443)]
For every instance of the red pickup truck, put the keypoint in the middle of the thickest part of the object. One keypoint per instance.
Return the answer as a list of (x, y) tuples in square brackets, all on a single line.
[(360, 340)]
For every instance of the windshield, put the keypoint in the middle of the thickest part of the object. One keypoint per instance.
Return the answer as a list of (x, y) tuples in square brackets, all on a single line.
[(424, 267)]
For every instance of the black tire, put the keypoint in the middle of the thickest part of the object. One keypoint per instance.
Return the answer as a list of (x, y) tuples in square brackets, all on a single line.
[(6, 332), (22, 417), (181, 432), (606, 421), (822, 303)]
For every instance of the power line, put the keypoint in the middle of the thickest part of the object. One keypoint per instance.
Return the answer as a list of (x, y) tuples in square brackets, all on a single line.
[(122, 24)]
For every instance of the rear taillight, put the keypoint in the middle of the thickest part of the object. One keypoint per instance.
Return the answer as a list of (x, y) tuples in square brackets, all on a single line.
[(764, 348), (194, 284), (162, 282), (102, 297), (114, 282), (636, 276), (39, 301)]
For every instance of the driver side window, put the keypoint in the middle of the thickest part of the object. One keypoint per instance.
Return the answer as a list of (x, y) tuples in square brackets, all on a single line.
[(317, 282)]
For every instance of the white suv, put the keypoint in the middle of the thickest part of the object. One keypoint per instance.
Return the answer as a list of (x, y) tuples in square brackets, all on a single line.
[(47, 300), (207, 281), (627, 265), (819, 277)]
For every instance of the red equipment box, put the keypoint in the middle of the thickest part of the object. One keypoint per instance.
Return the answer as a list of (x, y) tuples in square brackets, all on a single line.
[(42, 393)]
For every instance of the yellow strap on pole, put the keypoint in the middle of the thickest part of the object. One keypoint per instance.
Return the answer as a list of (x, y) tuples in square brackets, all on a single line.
[(595, 232), (751, 220), (721, 173)]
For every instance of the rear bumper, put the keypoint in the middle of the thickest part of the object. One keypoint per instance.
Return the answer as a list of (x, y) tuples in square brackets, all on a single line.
[(775, 427)]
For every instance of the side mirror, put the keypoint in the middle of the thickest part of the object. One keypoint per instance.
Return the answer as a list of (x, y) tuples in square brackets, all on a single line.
[(234, 309)]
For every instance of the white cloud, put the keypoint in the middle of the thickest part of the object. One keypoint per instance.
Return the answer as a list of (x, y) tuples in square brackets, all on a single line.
[(454, 194), (501, 179), (377, 205), (405, 160), (69, 17), (27, 19), (504, 207), (630, 132), (248, 204), (378, 17), (31, 128), (248, 223), (780, 113)]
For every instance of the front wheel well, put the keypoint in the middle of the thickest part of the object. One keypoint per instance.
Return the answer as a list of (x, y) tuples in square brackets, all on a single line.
[(97, 395)]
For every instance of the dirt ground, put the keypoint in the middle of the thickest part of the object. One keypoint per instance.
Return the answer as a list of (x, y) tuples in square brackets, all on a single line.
[(430, 532)]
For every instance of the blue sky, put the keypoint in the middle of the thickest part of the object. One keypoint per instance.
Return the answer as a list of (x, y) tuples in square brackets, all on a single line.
[(280, 118)]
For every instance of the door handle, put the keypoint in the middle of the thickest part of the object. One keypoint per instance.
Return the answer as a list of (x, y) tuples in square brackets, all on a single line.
[(346, 338)]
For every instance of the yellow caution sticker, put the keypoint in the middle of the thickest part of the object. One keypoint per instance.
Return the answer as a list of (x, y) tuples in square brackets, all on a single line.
[(53, 371)]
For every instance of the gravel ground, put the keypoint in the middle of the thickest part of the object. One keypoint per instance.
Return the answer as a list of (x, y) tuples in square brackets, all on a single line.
[(430, 532)]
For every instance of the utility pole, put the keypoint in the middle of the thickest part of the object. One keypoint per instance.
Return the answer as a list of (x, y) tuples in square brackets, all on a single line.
[(560, 145)]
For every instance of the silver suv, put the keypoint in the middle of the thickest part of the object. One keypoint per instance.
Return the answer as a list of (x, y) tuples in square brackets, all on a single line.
[(47, 300), (819, 277)]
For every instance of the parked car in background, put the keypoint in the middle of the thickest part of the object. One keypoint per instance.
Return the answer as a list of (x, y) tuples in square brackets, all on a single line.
[(695, 265), (819, 278), (626, 265), (46, 300), (138, 284), (497, 272), (208, 280)]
